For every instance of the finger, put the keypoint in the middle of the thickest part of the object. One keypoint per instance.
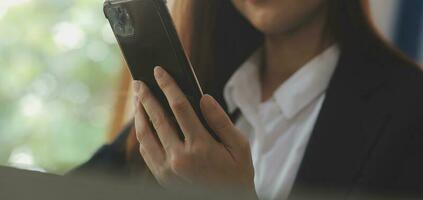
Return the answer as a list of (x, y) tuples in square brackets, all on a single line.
[(149, 145), (166, 131), (184, 113), (218, 121)]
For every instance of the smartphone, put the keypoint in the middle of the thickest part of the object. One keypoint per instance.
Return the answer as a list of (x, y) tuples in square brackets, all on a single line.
[(147, 38)]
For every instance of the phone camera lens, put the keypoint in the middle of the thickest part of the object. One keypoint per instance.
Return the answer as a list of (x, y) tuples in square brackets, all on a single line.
[(121, 21)]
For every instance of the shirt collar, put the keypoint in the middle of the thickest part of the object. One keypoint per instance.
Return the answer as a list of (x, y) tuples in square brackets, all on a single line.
[(247, 74), (308, 83), (304, 86)]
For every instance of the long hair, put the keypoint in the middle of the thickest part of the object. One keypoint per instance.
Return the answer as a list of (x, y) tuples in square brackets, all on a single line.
[(218, 39)]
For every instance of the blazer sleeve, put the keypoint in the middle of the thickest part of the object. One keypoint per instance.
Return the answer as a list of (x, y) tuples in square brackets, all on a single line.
[(109, 160)]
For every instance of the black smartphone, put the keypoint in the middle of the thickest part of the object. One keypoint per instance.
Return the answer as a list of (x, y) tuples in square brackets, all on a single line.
[(147, 38)]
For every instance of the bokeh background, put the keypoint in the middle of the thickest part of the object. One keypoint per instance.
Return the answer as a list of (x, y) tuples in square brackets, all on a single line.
[(60, 69), (59, 66)]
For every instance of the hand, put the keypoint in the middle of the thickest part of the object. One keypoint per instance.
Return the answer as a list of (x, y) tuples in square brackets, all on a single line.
[(200, 159)]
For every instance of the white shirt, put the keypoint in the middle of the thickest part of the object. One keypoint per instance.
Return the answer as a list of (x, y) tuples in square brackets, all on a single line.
[(279, 129)]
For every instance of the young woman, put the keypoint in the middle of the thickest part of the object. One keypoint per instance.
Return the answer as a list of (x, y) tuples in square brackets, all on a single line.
[(317, 99)]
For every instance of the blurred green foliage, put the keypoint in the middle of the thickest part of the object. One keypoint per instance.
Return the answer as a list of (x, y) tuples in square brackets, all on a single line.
[(59, 66)]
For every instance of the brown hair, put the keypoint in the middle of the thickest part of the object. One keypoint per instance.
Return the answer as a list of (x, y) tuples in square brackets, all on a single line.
[(218, 39)]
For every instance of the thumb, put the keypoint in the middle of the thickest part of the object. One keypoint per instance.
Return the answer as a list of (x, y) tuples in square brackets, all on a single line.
[(218, 120)]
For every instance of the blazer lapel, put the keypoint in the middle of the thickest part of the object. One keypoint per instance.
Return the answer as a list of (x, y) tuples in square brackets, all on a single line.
[(339, 143)]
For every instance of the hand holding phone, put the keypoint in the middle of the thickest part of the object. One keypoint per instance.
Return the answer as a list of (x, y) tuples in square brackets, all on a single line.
[(199, 159)]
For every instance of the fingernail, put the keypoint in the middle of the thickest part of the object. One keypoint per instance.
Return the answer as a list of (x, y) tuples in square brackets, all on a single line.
[(136, 85), (159, 72), (210, 102), (141, 88)]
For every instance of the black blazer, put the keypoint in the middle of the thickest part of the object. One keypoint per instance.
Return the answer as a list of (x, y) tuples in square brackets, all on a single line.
[(368, 137)]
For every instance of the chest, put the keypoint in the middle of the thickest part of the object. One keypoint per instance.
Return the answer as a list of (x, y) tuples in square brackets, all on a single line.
[(277, 144)]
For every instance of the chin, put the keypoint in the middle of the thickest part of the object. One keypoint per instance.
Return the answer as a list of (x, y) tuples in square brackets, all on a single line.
[(278, 16), (270, 24), (267, 28)]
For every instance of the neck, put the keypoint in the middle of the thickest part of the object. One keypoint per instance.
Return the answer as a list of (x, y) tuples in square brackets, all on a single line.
[(287, 52)]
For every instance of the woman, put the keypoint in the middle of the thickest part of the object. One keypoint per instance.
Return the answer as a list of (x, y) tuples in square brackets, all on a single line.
[(319, 101)]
